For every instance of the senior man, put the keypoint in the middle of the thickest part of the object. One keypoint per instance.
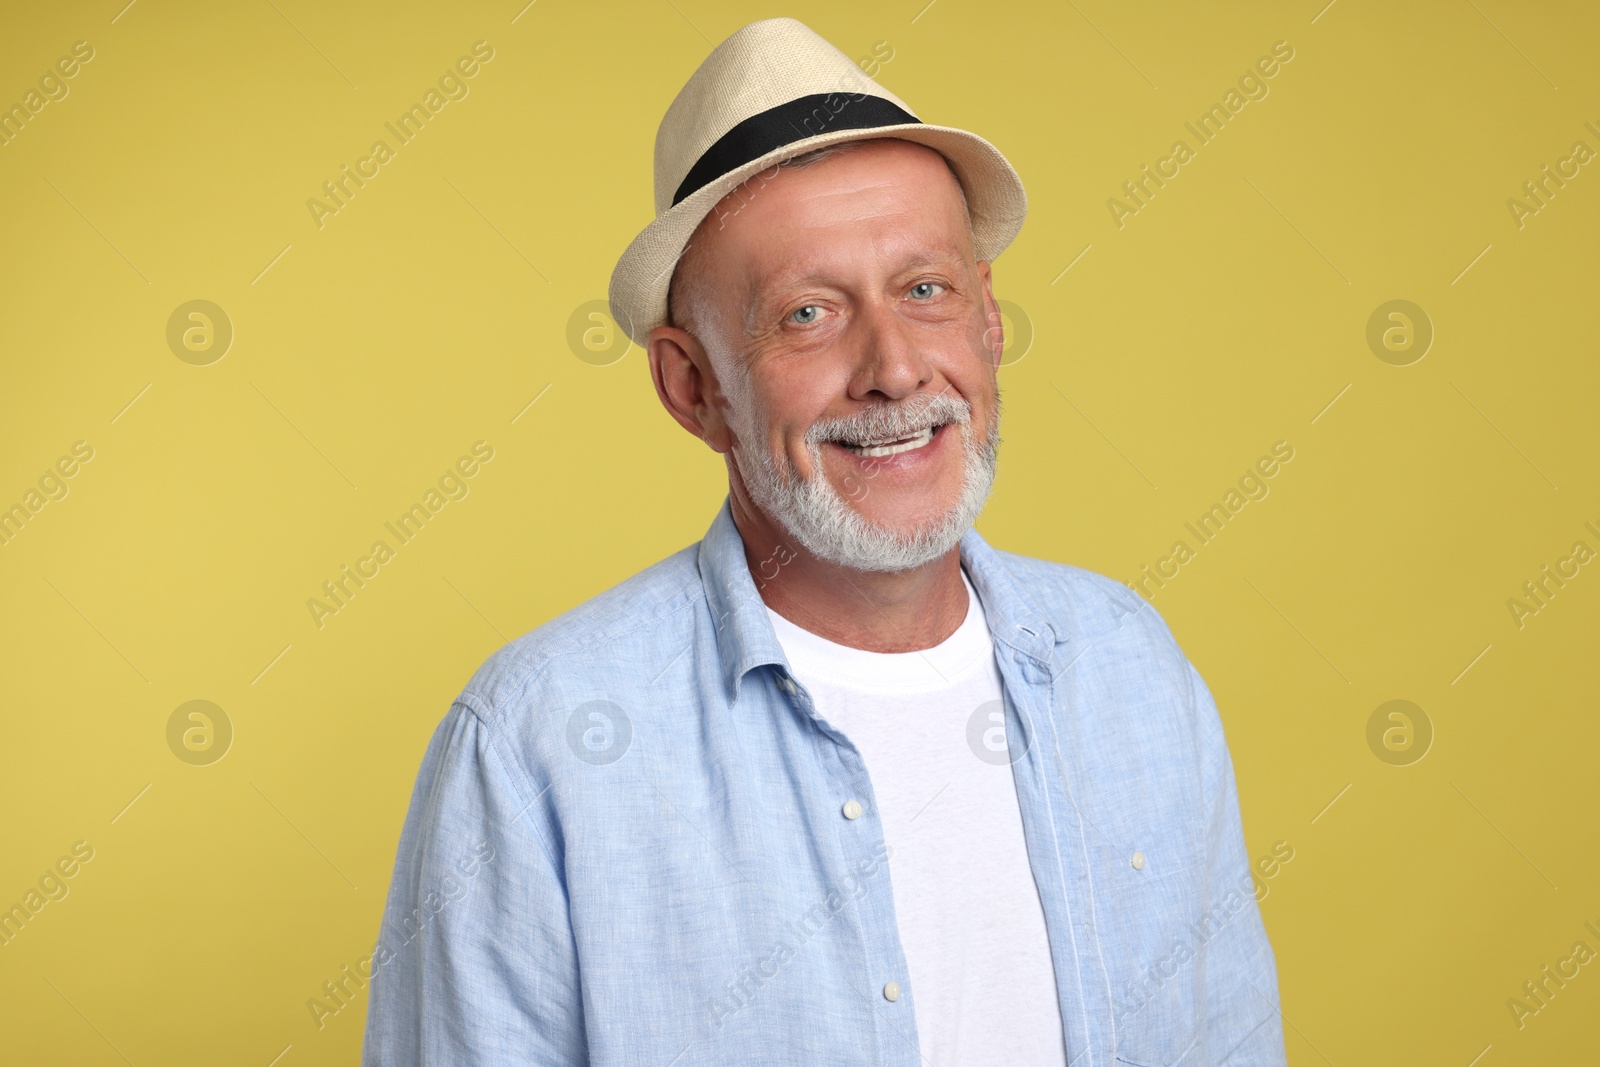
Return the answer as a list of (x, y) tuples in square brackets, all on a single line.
[(840, 783)]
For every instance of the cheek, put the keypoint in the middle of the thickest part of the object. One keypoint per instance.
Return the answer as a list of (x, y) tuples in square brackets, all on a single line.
[(977, 382), (777, 435), (785, 404), (789, 443)]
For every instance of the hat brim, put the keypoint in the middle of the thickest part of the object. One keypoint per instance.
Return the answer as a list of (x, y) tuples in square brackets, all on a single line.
[(995, 198)]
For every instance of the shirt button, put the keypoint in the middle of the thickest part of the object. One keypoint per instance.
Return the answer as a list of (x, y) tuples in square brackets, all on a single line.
[(1138, 861), (852, 810), (891, 991), (786, 685)]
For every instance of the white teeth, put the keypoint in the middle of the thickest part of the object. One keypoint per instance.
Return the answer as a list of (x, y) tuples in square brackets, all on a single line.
[(892, 448)]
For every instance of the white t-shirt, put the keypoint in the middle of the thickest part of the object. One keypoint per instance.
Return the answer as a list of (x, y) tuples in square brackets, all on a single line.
[(968, 910)]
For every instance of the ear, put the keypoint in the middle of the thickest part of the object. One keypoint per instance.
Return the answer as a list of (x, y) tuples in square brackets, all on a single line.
[(687, 385), (994, 331)]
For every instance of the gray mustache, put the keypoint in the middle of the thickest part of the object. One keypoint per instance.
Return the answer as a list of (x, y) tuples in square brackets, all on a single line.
[(890, 422)]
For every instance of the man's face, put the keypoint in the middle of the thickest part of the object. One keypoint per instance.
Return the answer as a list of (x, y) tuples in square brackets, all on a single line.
[(848, 327)]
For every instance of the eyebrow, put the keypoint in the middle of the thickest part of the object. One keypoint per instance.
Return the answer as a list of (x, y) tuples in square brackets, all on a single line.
[(801, 276)]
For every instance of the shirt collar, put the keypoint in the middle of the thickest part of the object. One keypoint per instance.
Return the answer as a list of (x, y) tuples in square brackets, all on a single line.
[(746, 639), (1015, 618)]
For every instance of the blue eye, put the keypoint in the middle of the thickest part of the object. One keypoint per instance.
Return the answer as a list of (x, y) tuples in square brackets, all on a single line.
[(929, 286), (801, 315)]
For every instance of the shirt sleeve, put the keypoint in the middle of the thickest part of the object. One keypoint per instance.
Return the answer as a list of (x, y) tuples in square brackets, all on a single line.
[(1239, 982), (475, 961)]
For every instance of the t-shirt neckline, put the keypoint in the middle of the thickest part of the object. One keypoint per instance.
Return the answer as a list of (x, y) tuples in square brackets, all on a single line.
[(815, 659)]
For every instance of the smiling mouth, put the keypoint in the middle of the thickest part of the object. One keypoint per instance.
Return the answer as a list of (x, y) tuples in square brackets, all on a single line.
[(875, 449)]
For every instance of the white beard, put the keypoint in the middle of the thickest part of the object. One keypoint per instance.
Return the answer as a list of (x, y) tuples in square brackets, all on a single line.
[(816, 515)]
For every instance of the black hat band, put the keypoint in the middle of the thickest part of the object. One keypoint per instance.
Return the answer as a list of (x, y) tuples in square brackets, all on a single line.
[(797, 120)]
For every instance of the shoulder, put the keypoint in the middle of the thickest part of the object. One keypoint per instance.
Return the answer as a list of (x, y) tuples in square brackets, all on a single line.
[(615, 630), (1127, 703)]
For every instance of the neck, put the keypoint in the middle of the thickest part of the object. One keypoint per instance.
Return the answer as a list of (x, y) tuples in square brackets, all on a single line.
[(905, 611)]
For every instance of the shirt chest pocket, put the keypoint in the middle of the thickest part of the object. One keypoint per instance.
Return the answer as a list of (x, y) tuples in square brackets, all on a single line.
[(1156, 944)]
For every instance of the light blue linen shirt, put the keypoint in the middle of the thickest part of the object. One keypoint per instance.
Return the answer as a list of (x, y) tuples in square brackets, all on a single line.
[(628, 843)]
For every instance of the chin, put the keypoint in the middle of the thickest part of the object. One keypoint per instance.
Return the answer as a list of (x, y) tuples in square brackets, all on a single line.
[(906, 517)]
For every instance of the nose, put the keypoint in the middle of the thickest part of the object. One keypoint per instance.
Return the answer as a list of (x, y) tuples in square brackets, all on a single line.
[(890, 363)]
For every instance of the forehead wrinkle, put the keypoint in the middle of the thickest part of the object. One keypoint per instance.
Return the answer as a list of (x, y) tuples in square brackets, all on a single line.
[(950, 178), (868, 201)]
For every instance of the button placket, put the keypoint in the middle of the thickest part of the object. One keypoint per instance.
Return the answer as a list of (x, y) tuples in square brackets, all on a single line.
[(883, 952)]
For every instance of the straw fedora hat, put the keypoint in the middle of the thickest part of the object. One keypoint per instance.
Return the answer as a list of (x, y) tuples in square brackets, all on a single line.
[(773, 90)]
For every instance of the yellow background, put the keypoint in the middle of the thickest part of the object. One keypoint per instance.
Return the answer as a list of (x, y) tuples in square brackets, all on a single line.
[(426, 315)]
